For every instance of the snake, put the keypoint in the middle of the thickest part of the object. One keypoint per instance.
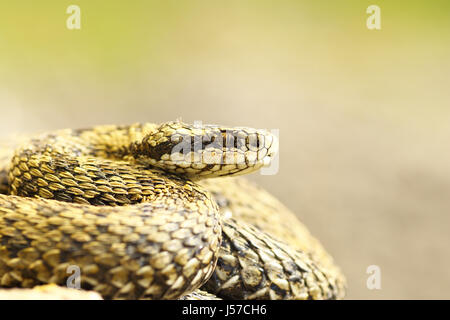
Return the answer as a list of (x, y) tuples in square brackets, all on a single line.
[(154, 211)]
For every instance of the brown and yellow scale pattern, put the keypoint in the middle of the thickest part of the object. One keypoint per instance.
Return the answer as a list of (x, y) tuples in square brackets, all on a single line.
[(141, 220)]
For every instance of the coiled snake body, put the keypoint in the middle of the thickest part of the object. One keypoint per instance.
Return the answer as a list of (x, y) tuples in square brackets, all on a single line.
[(138, 217)]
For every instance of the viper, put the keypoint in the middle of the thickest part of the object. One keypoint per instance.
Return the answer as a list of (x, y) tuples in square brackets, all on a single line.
[(154, 211)]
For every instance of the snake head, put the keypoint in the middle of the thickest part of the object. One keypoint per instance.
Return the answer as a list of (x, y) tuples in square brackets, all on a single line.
[(206, 151)]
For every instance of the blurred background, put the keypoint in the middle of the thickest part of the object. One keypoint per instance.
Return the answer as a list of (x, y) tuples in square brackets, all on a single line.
[(363, 114)]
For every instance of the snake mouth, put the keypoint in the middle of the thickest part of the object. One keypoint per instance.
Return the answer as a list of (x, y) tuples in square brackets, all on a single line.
[(206, 151)]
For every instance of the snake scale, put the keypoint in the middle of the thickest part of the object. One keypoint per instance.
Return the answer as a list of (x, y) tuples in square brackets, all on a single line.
[(142, 218)]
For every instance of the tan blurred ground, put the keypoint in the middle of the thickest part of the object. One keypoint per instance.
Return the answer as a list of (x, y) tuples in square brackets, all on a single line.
[(363, 115)]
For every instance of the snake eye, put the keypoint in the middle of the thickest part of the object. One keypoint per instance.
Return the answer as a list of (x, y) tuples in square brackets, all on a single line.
[(176, 138)]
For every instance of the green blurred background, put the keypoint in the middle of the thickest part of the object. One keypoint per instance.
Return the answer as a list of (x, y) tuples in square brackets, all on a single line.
[(363, 114)]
